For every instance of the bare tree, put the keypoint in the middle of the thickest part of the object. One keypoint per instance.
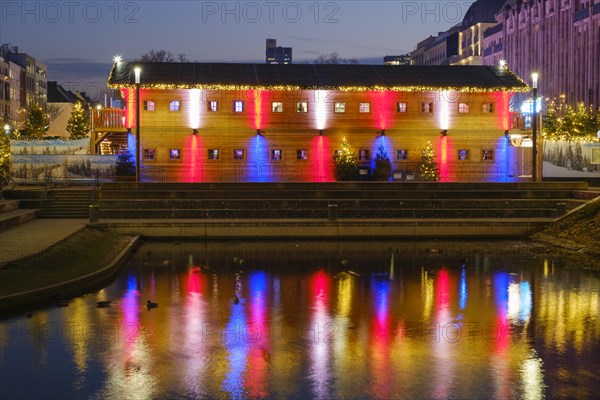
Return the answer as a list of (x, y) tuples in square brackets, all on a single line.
[(163, 56), (334, 58)]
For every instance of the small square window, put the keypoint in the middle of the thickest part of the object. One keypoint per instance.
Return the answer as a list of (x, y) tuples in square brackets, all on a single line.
[(487, 155), (238, 154), (238, 106), (213, 106), (401, 107), (364, 107), (463, 155), (301, 106), (401, 154), (148, 105), (276, 154), (174, 105), (277, 106), (488, 107), (302, 154), (149, 154), (463, 108), (339, 107), (363, 154), (174, 154), (427, 107), (213, 154)]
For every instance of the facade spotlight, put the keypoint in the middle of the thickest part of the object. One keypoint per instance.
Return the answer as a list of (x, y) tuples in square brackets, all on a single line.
[(320, 132), (506, 134), (444, 132), (194, 131), (259, 132), (382, 133)]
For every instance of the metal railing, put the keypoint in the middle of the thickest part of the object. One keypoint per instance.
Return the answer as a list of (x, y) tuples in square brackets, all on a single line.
[(48, 186)]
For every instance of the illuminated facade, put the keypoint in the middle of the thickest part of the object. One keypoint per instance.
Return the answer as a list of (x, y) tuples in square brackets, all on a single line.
[(260, 122)]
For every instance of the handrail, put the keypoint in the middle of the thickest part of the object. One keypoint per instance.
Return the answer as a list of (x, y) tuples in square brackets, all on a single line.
[(47, 188), (95, 189)]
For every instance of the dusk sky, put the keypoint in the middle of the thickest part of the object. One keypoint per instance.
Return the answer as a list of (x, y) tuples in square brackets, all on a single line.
[(78, 39)]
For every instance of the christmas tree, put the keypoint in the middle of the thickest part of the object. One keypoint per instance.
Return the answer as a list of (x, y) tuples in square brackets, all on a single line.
[(383, 166), (4, 154), (125, 165), (345, 163), (37, 121), (428, 168), (77, 125)]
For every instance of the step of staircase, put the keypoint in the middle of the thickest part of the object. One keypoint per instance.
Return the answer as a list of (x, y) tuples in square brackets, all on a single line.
[(8, 205), (16, 217), (67, 203)]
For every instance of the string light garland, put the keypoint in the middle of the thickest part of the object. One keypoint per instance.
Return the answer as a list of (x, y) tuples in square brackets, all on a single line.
[(563, 122)]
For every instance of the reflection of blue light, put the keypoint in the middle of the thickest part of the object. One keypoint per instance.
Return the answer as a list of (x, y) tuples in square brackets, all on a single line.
[(131, 144), (500, 283), (500, 170), (380, 141), (131, 283), (525, 301), (258, 282), (258, 168), (235, 342), (382, 291), (462, 299)]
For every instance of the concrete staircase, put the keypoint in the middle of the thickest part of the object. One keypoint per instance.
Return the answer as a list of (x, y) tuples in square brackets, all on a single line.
[(11, 215), (354, 200), (67, 203)]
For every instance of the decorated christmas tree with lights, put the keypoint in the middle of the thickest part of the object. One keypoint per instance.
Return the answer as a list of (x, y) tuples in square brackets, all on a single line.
[(345, 163), (77, 125), (4, 154), (428, 168), (37, 121)]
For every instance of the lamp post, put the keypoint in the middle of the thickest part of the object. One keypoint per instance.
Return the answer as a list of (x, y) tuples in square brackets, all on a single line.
[(137, 71), (534, 79)]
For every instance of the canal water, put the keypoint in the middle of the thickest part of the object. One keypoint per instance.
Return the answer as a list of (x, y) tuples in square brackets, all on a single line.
[(317, 320)]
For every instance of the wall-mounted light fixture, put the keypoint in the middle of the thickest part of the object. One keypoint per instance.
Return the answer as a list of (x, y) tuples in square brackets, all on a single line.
[(320, 132), (194, 131), (382, 132), (506, 135), (259, 132), (444, 132)]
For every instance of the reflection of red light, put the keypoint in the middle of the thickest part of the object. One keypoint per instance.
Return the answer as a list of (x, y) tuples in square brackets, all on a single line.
[(382, 103), (192, 166), (322, 160), (257, 107), (443, 149), (442, 288), (320, 283), (196, 281), (502, 109)]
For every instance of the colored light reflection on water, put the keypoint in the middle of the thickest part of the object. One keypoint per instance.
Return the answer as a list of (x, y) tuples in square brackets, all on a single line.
[(307, 325)]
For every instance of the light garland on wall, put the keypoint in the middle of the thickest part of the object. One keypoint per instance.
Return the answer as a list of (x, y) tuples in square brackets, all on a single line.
[(229, 87)]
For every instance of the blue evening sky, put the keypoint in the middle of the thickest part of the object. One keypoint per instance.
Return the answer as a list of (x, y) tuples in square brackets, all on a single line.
[(78, 39)]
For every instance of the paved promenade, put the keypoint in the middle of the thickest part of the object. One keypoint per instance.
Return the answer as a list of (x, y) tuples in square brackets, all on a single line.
[(35, 236)]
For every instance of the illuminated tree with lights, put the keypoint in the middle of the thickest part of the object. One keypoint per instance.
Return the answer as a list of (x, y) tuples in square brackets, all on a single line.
[(345, 163), (428, 168), (37, 121), (561, 121), (4, 153), (77, 125)]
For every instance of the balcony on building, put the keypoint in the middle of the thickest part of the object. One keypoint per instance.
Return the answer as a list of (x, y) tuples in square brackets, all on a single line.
[(109, 120)]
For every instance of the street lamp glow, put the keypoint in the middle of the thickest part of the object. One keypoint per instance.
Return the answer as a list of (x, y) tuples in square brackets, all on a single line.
[(534, 79), (117, 59), (137, 71)]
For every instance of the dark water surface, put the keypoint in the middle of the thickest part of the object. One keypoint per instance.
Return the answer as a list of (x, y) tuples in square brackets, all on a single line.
[(318, 320)]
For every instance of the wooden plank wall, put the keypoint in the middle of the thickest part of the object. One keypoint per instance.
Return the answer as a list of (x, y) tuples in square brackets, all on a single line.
[(291, 131)]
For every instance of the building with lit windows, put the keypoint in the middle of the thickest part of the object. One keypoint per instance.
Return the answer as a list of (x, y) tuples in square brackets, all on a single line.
[(276, 54), (261, 122)]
